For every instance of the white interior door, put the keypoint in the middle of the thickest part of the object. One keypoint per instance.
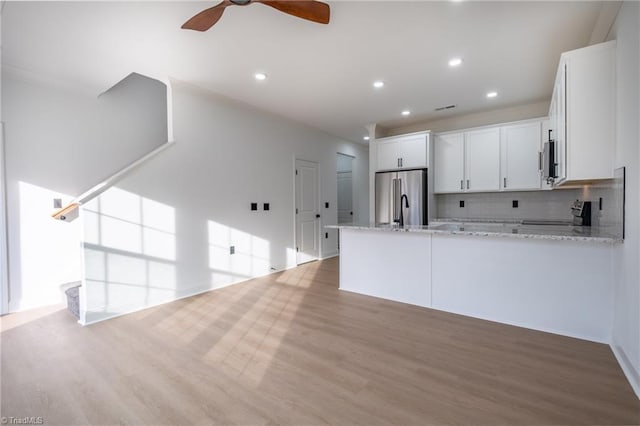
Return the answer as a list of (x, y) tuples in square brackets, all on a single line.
[(345, 197), (344, 166), (307, 212)]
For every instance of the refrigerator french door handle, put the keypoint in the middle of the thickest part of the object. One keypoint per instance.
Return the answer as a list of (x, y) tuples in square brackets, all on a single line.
[(397, 190)]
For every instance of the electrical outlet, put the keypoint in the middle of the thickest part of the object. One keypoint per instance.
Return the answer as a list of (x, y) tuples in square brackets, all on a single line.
[(254, 206), (514, 204), (326, 205), (461, 203), (265, 206), (326, 235), (57, 203), (232, 250)]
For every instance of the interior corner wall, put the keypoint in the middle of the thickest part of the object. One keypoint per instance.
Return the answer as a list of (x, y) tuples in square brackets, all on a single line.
[(58, 143), (226, 156), (626, 263)]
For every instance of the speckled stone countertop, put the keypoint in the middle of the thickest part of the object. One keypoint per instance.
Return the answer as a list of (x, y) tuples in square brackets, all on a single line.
[(490, 228)]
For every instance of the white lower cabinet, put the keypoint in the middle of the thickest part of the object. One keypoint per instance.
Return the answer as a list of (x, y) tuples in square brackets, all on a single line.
[(390, 265), (493, 278), (519, 156)]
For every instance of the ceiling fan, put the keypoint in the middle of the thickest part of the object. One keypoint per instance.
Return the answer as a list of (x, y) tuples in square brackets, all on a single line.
[(310, 10)]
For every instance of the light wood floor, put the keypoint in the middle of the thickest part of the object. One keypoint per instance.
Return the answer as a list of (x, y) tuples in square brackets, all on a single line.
[(291, 349)]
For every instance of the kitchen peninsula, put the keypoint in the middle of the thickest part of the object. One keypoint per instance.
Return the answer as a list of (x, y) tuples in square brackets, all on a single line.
[(549, 278)]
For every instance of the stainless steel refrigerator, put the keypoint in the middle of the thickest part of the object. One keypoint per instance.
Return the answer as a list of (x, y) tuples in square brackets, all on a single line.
[(401, 197)]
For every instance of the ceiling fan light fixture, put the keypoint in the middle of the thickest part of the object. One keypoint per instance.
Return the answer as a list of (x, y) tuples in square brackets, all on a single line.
[(311, 10)]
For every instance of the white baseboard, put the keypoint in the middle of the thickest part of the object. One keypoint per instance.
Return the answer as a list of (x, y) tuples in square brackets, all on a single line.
[(330, 255), (128, 309), (633, 376)]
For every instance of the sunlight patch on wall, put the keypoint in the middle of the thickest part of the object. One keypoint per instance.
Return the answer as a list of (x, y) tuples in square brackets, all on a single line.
[(49, 250), (251, 257), (125, 221), (130, 249)]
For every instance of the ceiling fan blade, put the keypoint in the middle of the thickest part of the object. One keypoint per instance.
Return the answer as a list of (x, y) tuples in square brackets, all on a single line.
[(315, 11), (207, 18)]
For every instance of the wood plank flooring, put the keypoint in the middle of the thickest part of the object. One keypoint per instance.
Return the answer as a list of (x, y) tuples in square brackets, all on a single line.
[(291, 348)]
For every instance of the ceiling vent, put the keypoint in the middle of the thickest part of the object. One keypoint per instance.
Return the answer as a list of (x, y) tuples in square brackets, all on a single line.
[(445, 107)]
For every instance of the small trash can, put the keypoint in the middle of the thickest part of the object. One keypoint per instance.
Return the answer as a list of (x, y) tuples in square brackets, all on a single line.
[(73, 300)]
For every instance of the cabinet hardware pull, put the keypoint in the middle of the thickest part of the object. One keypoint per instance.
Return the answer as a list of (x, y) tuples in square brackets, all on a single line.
[(461, 184), (539, 161), (505, 182), (467, 183)]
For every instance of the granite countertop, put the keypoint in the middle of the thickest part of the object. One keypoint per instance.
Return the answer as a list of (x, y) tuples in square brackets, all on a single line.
[(498, 228)]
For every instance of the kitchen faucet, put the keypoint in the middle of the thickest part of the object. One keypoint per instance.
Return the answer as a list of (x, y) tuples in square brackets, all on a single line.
[(406, 204)]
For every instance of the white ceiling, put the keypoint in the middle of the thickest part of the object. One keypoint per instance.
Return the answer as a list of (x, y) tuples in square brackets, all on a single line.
[(321, 75)]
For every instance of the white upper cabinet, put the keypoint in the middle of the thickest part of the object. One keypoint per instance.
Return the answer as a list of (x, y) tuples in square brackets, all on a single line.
[(520, 146), (503, 157), (583, 113), (449, 162), (402, 152), (482, 158)]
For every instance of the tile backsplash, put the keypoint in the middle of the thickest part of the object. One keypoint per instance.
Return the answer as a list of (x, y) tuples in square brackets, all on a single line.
[(537, 205)]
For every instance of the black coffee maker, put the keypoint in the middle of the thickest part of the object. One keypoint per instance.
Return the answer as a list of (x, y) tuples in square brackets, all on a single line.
[(581, 211)]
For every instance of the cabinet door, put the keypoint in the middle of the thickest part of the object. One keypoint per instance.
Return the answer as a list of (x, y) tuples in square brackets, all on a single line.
[(412, 151), (560, 133), (449, 163), (403, 152), (520, 147), (482, 158), (388, 158)]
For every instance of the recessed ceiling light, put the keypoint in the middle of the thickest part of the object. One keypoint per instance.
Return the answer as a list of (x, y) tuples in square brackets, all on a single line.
[(455, 62), (492, 94), (260, 76), (406, 112), (366, 138), (378, 84)]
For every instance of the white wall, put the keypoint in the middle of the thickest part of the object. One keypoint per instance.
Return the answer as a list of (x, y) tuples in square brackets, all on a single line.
[(626, 322), (484, 118), (59, 143), (226, 156)]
